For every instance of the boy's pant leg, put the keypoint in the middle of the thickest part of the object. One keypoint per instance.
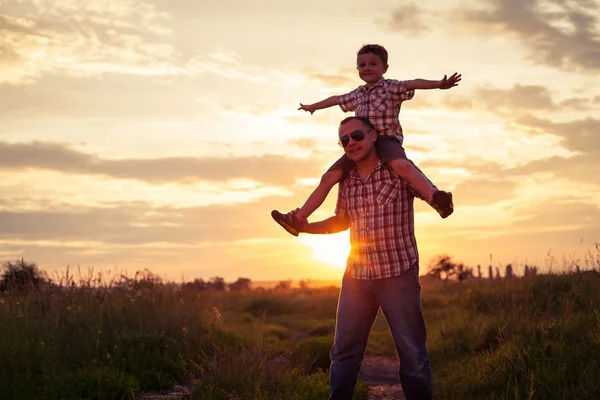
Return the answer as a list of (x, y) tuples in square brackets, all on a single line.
[(389, 148), (345, 164), (400, 300), (356, 313)]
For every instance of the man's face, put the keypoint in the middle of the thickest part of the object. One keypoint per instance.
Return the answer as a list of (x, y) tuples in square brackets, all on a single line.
[(357, 150), (370, 68)]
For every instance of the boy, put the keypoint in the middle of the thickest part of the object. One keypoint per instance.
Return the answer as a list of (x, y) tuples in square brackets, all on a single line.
[(379, 100)]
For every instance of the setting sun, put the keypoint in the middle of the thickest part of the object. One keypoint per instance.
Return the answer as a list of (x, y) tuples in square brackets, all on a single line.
[(331, 249)]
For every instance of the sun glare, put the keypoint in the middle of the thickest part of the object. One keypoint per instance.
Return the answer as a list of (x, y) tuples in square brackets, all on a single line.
[(331, 249)]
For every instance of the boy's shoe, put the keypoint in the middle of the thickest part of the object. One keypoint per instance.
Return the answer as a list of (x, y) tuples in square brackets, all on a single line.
[(289, 222), (442, 203)]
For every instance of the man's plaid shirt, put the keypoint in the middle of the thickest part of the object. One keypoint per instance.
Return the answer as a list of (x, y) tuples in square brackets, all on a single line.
[(380, 104), (381, 214)]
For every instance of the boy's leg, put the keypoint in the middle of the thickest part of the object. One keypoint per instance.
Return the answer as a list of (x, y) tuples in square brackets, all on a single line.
[(408, 171), (318, 196), (356, 313), (293, 222), (400, 302), (391, 151)]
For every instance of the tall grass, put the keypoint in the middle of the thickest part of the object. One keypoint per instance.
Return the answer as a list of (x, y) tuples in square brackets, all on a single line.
[(531, 338), (119, 339), (536, 337)]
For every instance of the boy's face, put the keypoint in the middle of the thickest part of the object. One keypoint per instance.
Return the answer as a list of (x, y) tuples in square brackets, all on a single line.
[(370, 68)]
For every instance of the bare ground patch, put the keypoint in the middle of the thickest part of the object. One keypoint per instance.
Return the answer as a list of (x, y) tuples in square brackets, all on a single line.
[(381, 374)]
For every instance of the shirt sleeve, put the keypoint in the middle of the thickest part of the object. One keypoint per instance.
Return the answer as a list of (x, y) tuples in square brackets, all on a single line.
[(341, 207), (399, 88), (404, 184), (347, 102)]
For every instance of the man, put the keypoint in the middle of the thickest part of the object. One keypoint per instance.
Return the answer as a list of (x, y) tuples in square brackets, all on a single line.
[(382, 268)]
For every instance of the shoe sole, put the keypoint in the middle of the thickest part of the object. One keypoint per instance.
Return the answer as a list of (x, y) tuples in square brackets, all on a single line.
[(290, 229), (450, 211), (451, 207)]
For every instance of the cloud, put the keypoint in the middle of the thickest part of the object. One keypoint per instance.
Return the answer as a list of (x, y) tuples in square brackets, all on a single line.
[(563, 35), (272, 169), (38, 37), (140, 222), (409, 19), (578, 135), (343, 80), (229, 64), (484, 191), (518, 99), (559, 213), (309, 143)]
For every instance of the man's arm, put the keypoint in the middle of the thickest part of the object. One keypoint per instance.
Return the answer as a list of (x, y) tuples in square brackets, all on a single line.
[(333, 224), (328, 102), (444, 83)]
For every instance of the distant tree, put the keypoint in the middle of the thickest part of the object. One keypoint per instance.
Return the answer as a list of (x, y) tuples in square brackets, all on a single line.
[(463, 273), (20, 275), (216, 283), (197, 284), (526, 270), (242, 284), (490, 273), (283, 286), (442, 267), (498, 273), (304, 284), (479, 271)]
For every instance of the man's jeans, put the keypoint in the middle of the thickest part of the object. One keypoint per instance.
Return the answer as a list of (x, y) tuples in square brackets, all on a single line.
[(358, 305)]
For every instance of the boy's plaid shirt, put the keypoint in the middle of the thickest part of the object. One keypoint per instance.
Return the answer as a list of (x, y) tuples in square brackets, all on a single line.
[(380, 104), (381, 214)]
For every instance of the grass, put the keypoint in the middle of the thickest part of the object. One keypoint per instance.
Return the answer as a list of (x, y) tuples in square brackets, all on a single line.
[(536, 337)]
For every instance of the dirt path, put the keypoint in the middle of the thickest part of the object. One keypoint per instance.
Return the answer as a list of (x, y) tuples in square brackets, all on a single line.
[(381, 374)]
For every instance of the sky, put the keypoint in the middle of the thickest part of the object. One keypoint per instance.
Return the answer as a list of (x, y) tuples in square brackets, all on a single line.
[(160, 134)]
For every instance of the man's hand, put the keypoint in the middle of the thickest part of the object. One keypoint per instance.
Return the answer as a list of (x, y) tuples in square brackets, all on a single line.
[(307, 107), (448, 83)]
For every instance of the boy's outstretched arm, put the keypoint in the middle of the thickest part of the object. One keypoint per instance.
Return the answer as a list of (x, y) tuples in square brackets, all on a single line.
[(328, 102), (333, 224), (444, 83)]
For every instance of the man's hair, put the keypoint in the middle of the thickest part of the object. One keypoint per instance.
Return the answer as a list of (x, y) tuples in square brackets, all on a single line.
[(376, 49), (364, 120)]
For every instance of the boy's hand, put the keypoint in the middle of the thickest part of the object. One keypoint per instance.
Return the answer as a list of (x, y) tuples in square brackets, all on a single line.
[(307, 107), (448, 83)]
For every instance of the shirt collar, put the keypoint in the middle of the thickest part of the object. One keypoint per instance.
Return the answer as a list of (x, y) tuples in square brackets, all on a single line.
[(380, 82), (354, 175)]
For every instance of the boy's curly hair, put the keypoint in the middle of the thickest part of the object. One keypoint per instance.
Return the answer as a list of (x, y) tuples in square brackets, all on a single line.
[(376, 49)]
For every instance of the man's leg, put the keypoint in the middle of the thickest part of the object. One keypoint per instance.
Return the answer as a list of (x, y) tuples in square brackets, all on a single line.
[(400, 300), (357, 309)]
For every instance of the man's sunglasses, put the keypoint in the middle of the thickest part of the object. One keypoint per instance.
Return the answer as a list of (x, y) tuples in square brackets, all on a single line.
[(357, 136)]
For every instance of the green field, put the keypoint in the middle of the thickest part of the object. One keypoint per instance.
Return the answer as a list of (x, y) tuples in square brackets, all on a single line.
[(536, 337)]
